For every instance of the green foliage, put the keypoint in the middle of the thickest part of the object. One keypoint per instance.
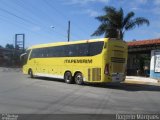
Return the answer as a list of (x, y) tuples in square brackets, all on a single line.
[(9, 46), (114, 23), (1, 46)]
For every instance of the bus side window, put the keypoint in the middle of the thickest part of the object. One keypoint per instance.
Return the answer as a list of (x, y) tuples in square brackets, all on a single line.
[(34, 54), (55, 52), (63, 51), (40, 53), (43, 53), (83, 49), (95, 48), (49, 51), (72, 50)]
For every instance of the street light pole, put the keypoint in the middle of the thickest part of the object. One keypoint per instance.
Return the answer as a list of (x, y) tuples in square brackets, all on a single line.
[(69, 23)]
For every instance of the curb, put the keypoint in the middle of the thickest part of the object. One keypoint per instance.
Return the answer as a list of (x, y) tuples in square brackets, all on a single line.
[(144, 83)]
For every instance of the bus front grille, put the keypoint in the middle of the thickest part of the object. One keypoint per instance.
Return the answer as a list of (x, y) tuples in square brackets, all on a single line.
[(94, 74)]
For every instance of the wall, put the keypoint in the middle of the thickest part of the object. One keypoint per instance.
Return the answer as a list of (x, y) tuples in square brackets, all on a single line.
[(155, 64)]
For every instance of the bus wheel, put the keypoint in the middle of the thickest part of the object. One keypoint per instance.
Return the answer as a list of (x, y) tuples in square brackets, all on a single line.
[(31, 73), (68, 77), (79, 78)]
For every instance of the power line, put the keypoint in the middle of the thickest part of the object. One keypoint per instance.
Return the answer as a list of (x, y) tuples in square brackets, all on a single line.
[(23, 19), (60, 13), (50, 6), (21, 3), (43, 13), (28, 30), (12, 14), (13, 23), (5, 19)]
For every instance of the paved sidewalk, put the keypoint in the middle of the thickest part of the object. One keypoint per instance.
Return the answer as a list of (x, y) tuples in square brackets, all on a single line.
[(10, 69), (141, 80)]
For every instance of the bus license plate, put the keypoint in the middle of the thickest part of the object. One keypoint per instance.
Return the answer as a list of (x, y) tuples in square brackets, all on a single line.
[(116, 78)]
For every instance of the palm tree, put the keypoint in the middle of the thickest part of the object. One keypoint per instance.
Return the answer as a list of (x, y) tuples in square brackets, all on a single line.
[(114, 24)]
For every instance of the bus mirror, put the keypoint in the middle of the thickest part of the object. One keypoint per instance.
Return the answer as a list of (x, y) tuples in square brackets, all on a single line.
[(22, 56)]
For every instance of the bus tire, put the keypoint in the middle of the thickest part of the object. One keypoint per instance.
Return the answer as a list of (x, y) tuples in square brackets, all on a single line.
[(31, 73), (68, 77), (78, 78)]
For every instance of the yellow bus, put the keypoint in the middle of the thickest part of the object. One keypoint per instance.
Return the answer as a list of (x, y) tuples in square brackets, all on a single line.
[(91, 61)]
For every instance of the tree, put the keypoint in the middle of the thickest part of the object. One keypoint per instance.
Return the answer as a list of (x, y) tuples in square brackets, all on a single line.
[(1, 46), (9, 46), (114, 24)]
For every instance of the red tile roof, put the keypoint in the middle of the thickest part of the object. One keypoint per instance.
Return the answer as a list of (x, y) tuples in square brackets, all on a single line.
[(144, 42)]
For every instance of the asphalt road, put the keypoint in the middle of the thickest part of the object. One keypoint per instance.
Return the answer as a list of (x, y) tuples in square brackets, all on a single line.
[(21, 94)]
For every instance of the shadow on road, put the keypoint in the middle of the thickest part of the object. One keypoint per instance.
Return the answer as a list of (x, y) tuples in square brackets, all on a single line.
[(48, 79), (118, 86), (129, 87)]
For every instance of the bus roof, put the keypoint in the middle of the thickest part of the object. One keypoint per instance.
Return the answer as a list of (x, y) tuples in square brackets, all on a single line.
[(66, 43)]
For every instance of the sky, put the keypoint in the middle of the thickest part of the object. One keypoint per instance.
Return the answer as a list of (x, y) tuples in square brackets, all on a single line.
[(46, 21)]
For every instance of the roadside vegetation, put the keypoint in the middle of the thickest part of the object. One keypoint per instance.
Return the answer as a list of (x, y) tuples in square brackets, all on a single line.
[(114, 23)]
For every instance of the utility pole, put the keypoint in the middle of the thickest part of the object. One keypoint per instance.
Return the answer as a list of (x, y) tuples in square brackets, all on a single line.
[(69, 25)]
